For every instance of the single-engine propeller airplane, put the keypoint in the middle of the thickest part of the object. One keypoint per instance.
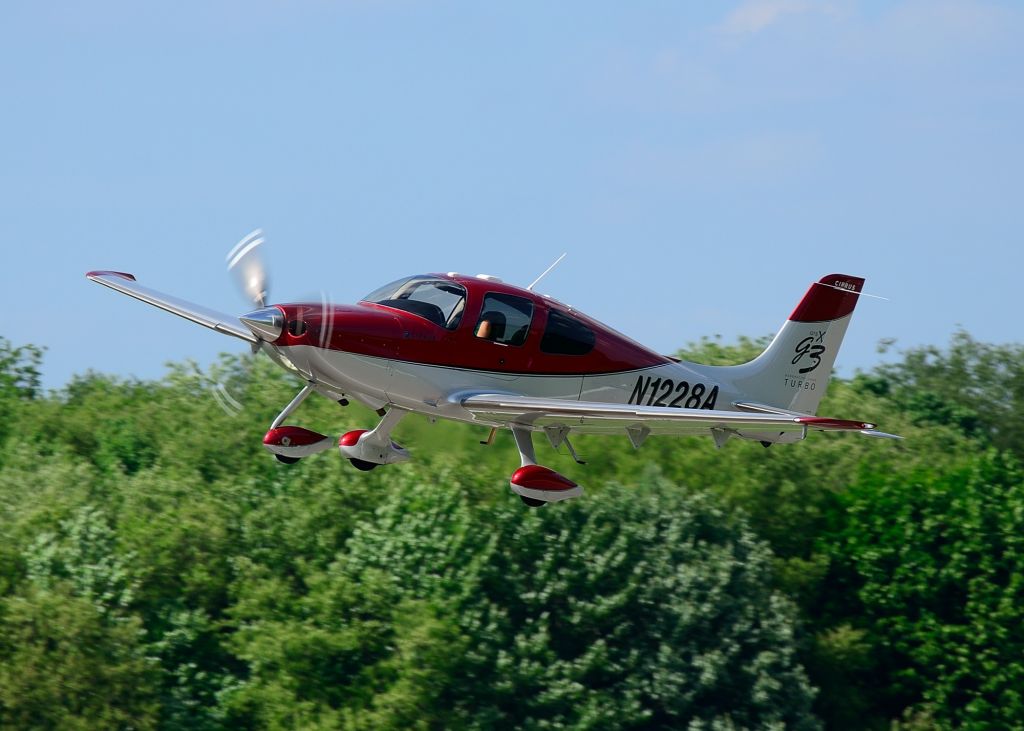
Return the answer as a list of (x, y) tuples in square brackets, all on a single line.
[(478, 350)]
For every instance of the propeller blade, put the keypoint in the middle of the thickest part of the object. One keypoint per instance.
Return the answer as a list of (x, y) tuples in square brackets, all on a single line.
[(326, 319), (246, 264)]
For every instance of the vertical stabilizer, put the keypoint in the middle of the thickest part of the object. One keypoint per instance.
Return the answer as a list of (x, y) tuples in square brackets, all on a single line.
[(793, 372)]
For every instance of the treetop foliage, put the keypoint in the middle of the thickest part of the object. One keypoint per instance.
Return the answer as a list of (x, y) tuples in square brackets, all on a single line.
[(159, 570)]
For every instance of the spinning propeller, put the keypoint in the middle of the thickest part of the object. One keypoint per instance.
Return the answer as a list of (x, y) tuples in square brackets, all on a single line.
[(246, 264)]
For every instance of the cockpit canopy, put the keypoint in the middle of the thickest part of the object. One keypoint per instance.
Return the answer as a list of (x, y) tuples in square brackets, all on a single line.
[(438, 300)]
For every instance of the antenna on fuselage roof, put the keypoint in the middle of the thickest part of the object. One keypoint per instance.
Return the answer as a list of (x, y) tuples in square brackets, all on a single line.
[(545, 272)]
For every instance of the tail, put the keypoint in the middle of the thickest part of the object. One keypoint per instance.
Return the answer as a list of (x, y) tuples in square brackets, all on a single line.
[(793, 372)]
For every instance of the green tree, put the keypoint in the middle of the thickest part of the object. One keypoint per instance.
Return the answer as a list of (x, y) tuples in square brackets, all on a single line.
[(345, 654), (712, 351), (20, 374), (936, 566), (141, 520), (976, 387), (83, 556), (642, 607), (65, 665)]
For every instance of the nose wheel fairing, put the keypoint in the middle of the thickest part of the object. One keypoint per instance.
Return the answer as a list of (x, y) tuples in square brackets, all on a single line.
[(295, 442)]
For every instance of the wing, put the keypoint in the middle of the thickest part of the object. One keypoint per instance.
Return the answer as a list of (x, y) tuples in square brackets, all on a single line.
[(640, 421), (125, 284)]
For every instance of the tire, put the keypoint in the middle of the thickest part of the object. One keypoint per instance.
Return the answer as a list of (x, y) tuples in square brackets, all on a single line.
[(532, 502), (363, 465), (287, 460)]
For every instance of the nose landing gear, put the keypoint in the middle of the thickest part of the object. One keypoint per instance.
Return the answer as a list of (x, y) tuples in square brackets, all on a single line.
[(289, 444), (365, 449)]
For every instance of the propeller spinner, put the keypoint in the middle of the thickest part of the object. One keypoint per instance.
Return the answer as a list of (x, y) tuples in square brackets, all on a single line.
[(266, 323)]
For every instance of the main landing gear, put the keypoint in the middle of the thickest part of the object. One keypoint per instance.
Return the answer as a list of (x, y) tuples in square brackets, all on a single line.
[(367, 449), (289, 444), (364, 449), (535, 484)]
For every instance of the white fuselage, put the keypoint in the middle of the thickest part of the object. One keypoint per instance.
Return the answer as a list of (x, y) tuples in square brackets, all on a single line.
[(428, 389)]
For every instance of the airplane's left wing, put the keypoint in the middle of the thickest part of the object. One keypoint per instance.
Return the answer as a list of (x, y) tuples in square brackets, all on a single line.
[(607, 418), (126, 284)]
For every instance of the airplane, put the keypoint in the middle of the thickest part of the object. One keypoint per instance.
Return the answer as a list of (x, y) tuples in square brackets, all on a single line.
[(476, 349)]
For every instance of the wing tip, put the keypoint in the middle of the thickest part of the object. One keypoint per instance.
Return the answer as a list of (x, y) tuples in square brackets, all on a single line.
[(824, 422), (880, 434), (111, 273)]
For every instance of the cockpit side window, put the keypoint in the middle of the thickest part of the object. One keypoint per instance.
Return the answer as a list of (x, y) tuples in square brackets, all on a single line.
[(505, 319), (565, 335), (437, 300)]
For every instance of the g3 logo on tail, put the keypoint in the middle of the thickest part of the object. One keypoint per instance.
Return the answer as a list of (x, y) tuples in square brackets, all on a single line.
[(813, 352)]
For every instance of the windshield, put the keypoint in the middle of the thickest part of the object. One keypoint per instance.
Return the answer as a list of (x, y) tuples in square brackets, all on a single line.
[(437, 300)]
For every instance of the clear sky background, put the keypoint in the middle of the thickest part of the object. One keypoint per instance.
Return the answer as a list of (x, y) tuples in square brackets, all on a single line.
[(700, 162)]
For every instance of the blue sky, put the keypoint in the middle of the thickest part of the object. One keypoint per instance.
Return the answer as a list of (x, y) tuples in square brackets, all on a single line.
[(700, 162)]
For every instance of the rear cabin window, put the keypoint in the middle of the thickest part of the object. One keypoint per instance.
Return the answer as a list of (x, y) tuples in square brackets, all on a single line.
[(566, 335), (505, 319)]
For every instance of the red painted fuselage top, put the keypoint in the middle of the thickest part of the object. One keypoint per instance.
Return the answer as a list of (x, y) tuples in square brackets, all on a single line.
[(467, 322)]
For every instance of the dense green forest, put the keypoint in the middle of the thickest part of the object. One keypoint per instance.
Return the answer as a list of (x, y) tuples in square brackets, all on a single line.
[(160, 570)]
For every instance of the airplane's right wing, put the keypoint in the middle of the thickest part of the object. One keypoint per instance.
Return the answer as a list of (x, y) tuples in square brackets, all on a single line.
[(607, 418)]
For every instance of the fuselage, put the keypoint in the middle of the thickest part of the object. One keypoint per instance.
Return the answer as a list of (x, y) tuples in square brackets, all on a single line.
[(416, 355)]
